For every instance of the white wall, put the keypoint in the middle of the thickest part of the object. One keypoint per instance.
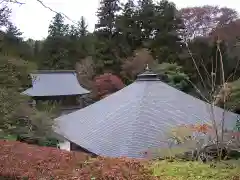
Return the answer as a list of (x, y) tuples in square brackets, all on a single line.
[(64, 145)]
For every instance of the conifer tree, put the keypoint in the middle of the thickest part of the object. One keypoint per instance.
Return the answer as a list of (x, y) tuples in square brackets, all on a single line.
[(107, 17), (82, 27), (145, 19), (55, 48), (57, 27), (166, 43), (128, 31), (105, 31)]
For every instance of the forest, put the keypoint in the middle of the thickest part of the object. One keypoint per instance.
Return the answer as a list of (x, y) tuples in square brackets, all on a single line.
[(185, 45)]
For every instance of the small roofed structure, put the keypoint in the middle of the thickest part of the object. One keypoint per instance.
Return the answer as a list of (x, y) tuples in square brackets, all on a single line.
[(54, 83), (57, 85), (135, 118)]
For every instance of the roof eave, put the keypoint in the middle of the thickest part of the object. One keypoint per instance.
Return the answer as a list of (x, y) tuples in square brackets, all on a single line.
[(46, 95), (52, 71)]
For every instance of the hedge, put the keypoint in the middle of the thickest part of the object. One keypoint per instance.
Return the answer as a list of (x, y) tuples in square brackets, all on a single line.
[(23, 161)]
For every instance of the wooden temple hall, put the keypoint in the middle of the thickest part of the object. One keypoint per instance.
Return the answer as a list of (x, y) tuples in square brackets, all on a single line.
[(61, 86), (134, 119)]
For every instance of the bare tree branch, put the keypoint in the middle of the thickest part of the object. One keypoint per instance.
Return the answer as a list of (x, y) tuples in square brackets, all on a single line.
[(12, 1), (47, 7), (43, 4), (195, 64)]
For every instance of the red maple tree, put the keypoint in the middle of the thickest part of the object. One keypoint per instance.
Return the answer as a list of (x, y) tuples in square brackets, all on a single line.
[(107, 84)]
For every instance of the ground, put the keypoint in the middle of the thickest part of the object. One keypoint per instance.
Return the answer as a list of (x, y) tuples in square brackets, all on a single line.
[(228, 170), (23, 161)]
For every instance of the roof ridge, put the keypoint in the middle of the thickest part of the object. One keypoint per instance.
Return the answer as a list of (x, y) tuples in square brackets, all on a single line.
[(53, 71)]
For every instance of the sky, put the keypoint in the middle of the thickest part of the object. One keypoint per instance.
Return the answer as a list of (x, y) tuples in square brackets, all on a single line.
[(33, 19)]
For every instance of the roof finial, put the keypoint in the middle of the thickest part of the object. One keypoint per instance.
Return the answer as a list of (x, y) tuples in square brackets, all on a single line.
[(147, 68), (148, 75)]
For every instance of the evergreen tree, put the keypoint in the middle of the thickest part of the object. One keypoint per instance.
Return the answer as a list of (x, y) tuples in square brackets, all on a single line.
[(105, 32), (73, 32), (57, 27), (174, 76), (107, 17), (13, 44), (54, 54), (5, 13), (82, 27), (12, 36), (145, 19), (127, 30), (80, 30), (37, 49), (13, 31), (83, 43), (79, 45), (55, 51), (166, 43)]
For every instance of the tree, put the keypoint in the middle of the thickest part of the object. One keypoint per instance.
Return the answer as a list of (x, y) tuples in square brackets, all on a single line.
[(220, 53), (107, 16), (83, 38), (230, 34), (80, 30), (13, 32), (82, 27), (55, 49), (85, 69), (207, 58), (232, 96), (65, 46), (145, 19), (18, 119), (127, 30), (200, 56), (106, 84), (57, 27), (175, 76), (54, 54), (135, 64), (105, 31), (200, 21), (4, 16), (80, 41), (37, 47), (166, 44), (73, 32), (13, 44)]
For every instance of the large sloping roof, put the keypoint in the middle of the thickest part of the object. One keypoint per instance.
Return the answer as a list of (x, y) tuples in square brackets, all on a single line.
[(55, 83), (135, 118)]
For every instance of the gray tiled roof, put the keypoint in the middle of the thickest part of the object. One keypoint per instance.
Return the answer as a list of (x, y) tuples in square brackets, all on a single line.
[(55, 83), (135, 118)]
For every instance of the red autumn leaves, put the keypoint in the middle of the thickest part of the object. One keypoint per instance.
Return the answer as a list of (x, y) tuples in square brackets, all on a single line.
[(107, 84), (19, 160), (200, 128)]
